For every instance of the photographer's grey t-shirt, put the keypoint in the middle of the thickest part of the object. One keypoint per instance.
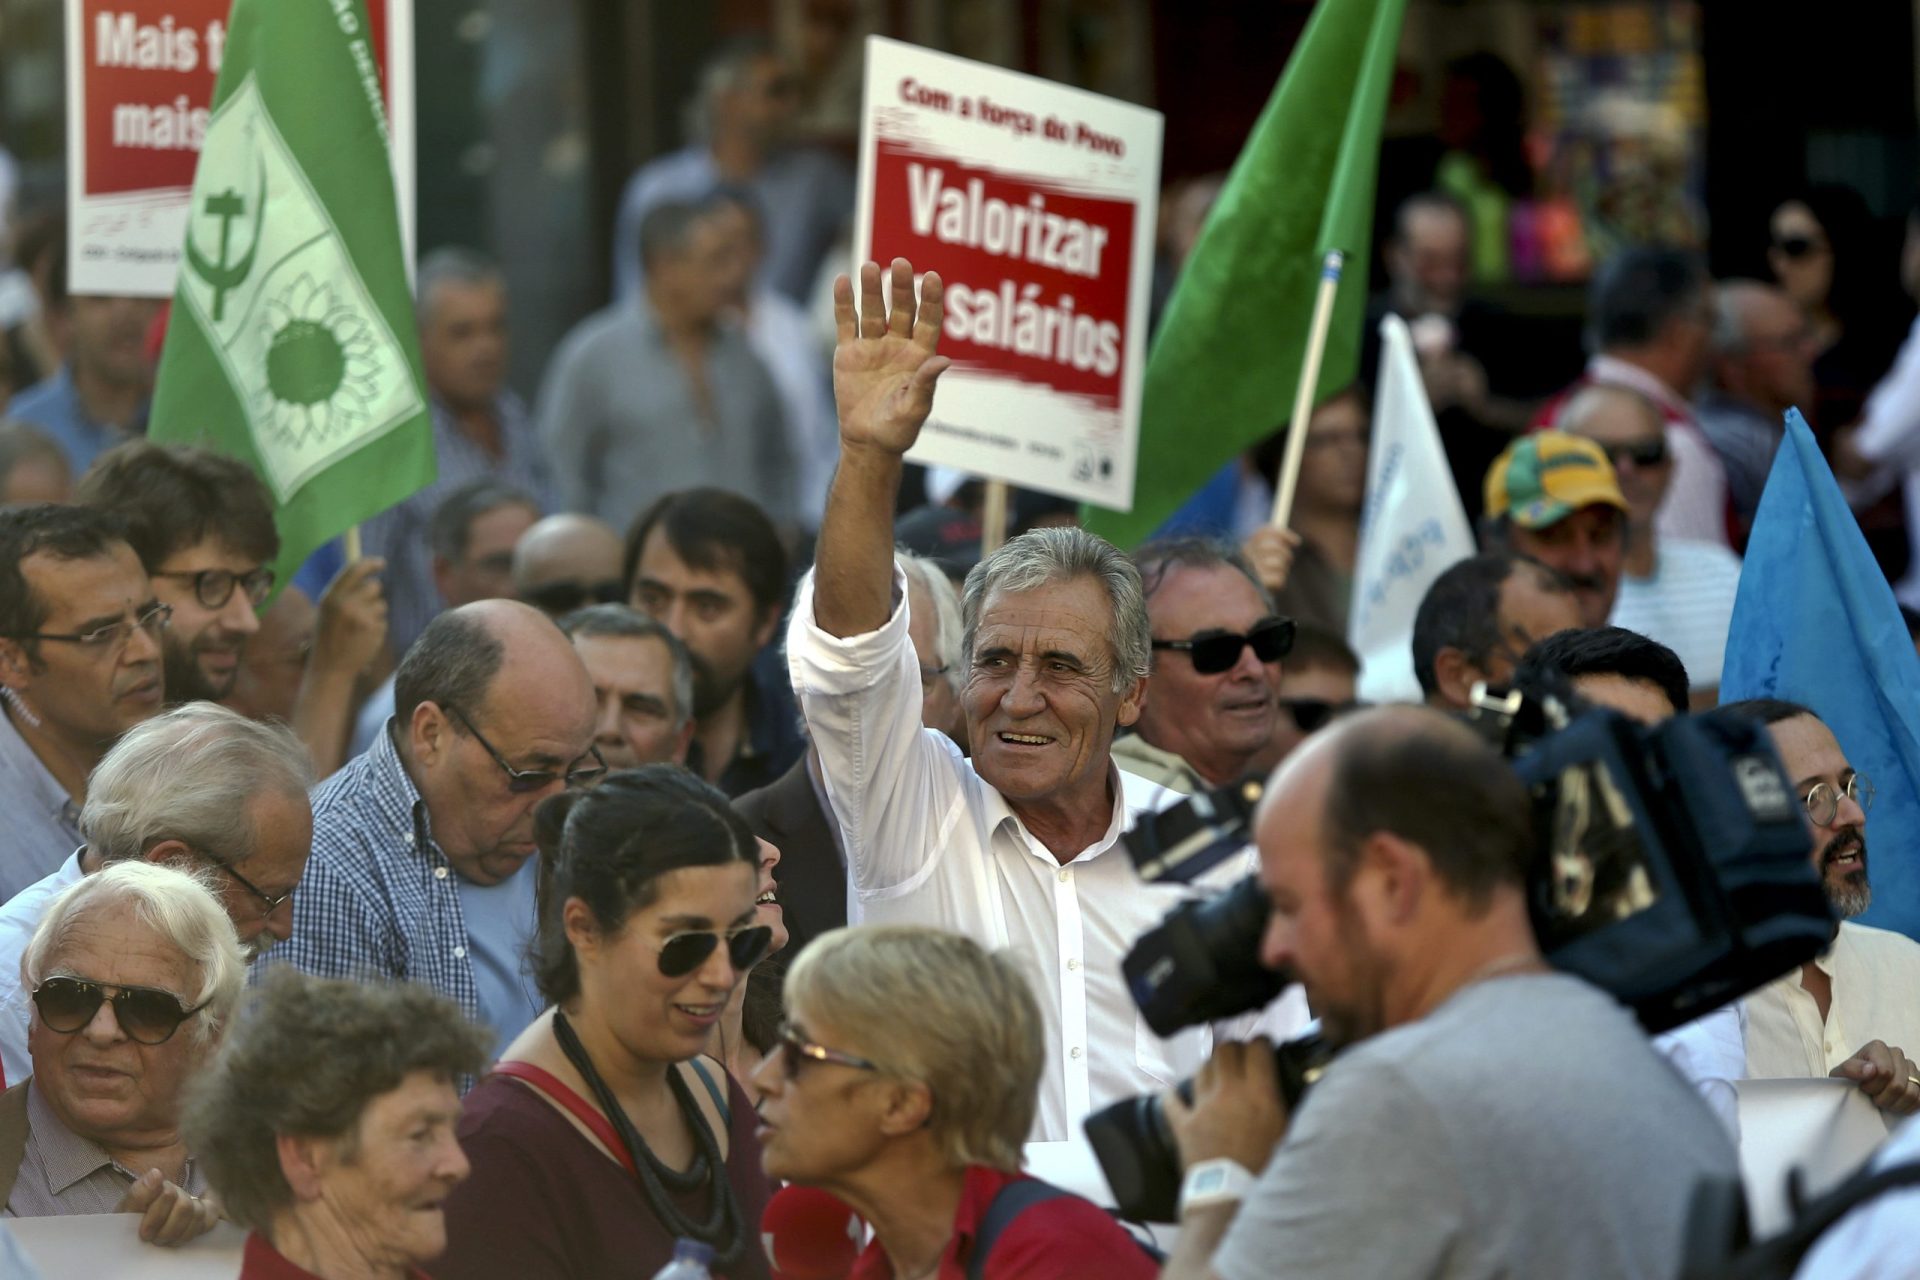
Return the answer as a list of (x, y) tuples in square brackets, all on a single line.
[(1523, 1128)]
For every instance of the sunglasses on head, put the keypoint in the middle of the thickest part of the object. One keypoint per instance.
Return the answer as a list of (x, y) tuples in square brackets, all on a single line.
[(564, 597), (1796, 246), (1215, 651), (681, 954), (146, 1014), (1648, 453)]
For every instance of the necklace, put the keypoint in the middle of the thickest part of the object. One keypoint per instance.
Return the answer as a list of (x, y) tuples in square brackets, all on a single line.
[(660, 1182), (1504, 964)]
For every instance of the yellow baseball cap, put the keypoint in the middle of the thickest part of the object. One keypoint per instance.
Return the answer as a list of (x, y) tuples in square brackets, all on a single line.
[(1542, 478)]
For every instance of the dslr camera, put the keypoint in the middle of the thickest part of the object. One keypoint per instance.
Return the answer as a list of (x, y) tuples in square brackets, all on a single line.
[(1672, 870)]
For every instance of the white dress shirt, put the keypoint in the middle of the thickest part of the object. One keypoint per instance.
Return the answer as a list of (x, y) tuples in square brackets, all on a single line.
[(18, 919), (1696, 503), (1711, 1052), (1876, 996), (929, 842)]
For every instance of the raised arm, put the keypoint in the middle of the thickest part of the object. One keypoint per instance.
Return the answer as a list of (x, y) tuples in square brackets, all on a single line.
[(884, 368)]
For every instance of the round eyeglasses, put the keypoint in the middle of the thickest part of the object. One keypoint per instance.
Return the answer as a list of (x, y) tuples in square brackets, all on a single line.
[(1823, 799)]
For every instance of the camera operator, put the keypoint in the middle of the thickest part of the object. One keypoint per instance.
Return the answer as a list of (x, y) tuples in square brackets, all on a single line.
[(1488, 1116)]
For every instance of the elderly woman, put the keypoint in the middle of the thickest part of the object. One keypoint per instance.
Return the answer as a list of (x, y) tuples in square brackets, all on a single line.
[(603, 1136), (905, 1083), (327, 1126), (133, 971)]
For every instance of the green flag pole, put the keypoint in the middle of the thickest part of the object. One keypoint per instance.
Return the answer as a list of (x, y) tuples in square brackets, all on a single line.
[(1309, 379)]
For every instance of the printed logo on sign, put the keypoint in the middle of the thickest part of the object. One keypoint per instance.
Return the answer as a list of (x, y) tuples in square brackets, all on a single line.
[(270, 281)]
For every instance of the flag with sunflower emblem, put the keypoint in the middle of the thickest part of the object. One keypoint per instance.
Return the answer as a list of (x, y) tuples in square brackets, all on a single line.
[(292, 344)]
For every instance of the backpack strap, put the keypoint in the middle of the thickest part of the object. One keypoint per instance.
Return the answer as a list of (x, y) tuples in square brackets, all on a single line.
[(1780, 1255), (1007, 1204)]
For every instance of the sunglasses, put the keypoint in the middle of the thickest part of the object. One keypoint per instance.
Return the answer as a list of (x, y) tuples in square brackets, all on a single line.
[(1215, 651), (564, 597), (522, 781), (681, 954), (1797, 246), (796, 1051), (1648, 453), (146, 1014), (1310, 715)]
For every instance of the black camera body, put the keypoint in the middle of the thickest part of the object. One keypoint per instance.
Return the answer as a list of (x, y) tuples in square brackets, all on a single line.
[(1673, 872)]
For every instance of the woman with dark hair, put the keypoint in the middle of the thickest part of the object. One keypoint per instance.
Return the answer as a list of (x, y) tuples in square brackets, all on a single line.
[(1841, 269), (602, 1137)]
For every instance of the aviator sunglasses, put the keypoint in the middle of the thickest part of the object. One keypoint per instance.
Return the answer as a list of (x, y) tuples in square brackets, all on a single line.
[(1215, 651), (681, 954), (146, 1014)]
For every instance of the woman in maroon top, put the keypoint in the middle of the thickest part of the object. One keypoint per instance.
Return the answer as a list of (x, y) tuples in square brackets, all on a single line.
[(904, 1083), (601, 1136)]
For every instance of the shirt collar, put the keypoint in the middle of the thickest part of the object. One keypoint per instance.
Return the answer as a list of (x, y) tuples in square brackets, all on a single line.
[(393, 792), (999, 813), (67, 1157)]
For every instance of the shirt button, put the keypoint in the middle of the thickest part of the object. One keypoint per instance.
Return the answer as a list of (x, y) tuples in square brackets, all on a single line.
[(1065, 875), (1074, 1052), (409, 839), (439, 873), (459, 953), (1073, 965)]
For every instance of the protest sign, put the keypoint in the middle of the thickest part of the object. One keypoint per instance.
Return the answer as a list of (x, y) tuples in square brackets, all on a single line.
[(1036, 204), (139, 98)]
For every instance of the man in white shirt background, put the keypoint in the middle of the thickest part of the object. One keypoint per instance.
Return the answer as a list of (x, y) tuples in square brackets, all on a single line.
[(1018, 846)]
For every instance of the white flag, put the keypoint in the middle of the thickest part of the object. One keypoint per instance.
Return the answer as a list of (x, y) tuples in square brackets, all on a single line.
[(1411, 529)]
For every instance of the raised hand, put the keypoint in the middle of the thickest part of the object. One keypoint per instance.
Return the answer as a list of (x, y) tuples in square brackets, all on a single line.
[(353, 618), (884, 366)]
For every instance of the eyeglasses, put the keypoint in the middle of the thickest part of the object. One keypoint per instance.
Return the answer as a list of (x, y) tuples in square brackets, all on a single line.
[(564, 597), (522, 781), (1648, 453), (1216, 651), (1310, 715), (153, 620), (682, 953), (147, 1014), (214, 587), (1798, 246), (268, 902), (1823, 801), (796, 1051)]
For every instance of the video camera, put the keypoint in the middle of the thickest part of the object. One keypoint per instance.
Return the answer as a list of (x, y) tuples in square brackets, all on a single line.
[(1674, 872)]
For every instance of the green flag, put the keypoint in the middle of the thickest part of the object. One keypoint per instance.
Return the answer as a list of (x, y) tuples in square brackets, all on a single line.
[(1226, 361), (292, 344)]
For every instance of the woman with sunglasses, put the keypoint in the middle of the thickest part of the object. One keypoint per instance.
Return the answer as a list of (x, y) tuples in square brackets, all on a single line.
[(602, 1136), (134, 971), (750, 1027), (905, 1084)]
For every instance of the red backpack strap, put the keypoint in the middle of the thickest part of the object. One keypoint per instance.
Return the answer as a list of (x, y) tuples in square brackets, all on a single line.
[(574, 1105)]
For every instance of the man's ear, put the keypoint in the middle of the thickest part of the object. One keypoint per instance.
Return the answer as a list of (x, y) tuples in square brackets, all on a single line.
[(1391, 878), (442, 571), (168, 853), (429, 734), (682, 741), (1455, 674), (1132, 702), (763, 628), (16, 668)]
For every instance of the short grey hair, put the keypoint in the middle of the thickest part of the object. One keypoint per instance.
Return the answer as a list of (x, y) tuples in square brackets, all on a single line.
[(183, 907), (1042, 556), (306, 1058), (452, 264), (624, 622), (1160, 557), (948, 632), (188, 775)]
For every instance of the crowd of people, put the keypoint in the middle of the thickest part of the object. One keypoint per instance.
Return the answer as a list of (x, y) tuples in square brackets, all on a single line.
[(682, 798)]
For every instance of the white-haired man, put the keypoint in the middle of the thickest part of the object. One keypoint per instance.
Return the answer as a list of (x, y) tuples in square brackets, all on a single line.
[(202, 788), (1017, 845)]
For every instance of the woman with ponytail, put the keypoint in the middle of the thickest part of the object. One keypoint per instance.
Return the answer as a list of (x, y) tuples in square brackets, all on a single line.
[(602, 1135)]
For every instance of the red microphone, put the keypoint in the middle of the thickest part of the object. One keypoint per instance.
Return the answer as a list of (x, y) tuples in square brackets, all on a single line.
[(810, 1235)]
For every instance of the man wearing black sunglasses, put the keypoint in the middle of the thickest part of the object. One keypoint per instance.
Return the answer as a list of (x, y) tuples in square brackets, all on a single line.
[(421, 845), (568, 562), (1217, 652)]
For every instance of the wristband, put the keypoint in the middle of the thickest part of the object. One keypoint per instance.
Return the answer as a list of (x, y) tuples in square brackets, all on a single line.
[(1217, 1181)]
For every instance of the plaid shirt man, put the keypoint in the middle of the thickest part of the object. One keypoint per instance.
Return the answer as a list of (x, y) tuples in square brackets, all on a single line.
[(379, 899)]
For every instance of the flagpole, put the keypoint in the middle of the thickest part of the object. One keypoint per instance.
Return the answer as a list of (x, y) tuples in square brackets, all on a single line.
[(353, 544), (993, 517), (1309, 378)]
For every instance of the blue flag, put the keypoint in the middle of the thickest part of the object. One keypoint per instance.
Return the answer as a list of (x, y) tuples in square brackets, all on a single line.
[(1815, 622)]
